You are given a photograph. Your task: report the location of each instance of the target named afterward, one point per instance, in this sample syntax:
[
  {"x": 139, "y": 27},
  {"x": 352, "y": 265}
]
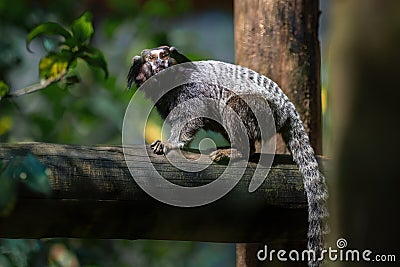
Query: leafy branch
[
  {"x": 36, "y": 87},
  {"x": 56, "y": 66}
]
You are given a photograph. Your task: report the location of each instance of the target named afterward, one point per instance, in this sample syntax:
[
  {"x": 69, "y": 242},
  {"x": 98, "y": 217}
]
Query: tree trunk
[{"x": 280, "y": 40}]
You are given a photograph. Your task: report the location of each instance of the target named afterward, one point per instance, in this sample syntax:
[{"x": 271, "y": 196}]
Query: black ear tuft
[
  {"x": 134, "y": 70},
  {"x": 145, "y": 52},
  {"x": 174, "y": 53}
]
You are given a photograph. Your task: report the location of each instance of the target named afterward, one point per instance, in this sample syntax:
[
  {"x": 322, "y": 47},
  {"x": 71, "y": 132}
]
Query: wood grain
[{"x": 94, "y": 196}]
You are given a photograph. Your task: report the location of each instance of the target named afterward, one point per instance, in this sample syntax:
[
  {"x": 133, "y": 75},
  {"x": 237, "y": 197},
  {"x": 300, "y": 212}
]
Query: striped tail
[
  {"x": 314, "y": 182},
  {"x": 289, "y": 124}
]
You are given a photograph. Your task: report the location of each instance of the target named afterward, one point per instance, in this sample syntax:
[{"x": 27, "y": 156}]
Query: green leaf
[
  {"x": 49, "y": 28},
  {"x": 95, "y": 58},
  {"x": 82, "y": 28},
  {"x": 3, "y": 89},
  {"x": 53, "y": 65},
  {"x": 6, "y": 124}
]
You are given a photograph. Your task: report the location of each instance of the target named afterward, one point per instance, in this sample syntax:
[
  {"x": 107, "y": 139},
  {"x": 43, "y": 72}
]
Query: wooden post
[{"x": 280, "y": 40}]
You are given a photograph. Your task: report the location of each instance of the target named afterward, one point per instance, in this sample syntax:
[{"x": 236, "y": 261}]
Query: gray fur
[{"x": 287, "y": 122}]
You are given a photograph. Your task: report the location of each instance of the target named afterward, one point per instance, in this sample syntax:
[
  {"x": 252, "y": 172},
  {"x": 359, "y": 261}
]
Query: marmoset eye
[{"x": 165, "y": 56}]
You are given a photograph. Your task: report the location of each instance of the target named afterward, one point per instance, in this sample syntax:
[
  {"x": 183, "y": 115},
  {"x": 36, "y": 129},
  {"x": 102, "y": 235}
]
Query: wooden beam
[{"x": 94, "y": 196}]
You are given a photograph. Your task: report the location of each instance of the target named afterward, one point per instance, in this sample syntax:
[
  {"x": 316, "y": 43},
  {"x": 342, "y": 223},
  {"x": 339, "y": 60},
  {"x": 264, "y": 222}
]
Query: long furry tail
[{"x": 298, "y": 143}]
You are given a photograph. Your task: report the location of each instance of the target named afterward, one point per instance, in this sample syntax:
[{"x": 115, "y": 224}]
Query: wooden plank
[{"x": 94, "y": 196}]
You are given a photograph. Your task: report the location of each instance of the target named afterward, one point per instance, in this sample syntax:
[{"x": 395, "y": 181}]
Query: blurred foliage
[
  {"x": 8, "y": 192},
  {"x": 74, "y": 46},
  {"x": 22, "y": 169},
  {"x": 95, "y": 105},
  {"x": 83, "y": 108},
  {"x": 3, "y": 89},
  {"x": 62, "y": 58},
  {"x": 15, "y": 252},
  {"x": 58, "y": 252}
]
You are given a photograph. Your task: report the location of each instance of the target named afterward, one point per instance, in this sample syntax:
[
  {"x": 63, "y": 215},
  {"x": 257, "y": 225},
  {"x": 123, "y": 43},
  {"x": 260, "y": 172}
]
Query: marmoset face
[{"x": 157, "y": 57}]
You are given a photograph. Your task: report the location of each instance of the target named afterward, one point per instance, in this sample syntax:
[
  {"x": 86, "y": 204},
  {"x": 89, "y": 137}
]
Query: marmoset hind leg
[
  {"x": 241, "y": 145},
  {"x": 241, "y": 129}
]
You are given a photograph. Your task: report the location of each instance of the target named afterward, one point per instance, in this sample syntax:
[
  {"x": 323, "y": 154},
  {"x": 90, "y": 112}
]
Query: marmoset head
[
  {"x": 157, "y": 57},
  {"x": 151, "y": 62}
]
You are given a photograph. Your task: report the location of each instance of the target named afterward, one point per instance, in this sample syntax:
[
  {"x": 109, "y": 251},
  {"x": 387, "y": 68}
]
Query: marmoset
[{"x": 287, "y": 123}]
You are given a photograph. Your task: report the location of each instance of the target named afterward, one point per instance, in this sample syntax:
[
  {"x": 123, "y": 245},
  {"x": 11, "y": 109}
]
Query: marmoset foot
[
  {"x": 159, "y": 147},
  {"x": 221, "y": 155}
]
